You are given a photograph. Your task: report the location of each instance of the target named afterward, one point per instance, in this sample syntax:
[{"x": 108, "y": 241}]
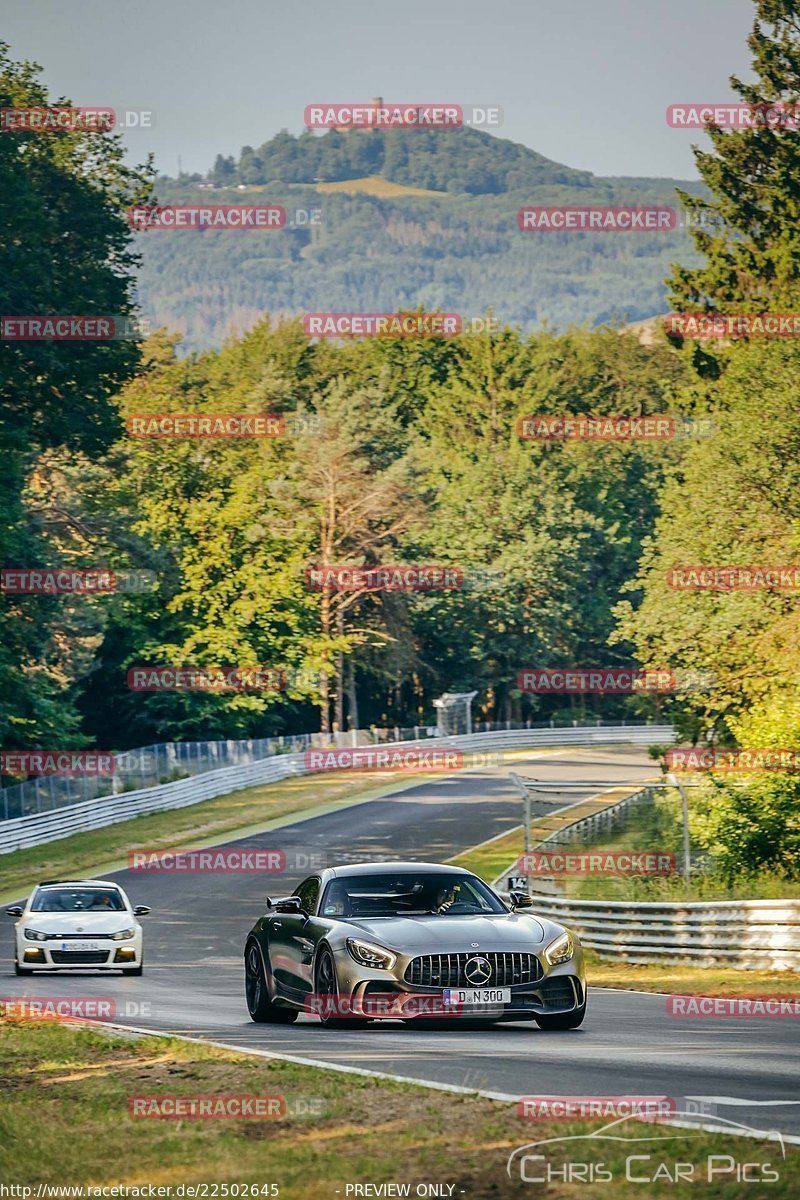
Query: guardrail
[
  {"x": 748, "y": 934},
  {"x": 38, "y": 828},
  {"x": 166, "y": 762}
]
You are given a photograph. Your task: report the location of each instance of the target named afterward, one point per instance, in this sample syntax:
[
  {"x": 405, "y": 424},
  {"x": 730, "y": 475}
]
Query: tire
[
  {"x": 18, "y": 970},
  {"x": 325, "y": 984},
  {"x": 256, "y": 991},
  {"x": 134, "y": 970},
  {"x": 570, "y": 1020}
]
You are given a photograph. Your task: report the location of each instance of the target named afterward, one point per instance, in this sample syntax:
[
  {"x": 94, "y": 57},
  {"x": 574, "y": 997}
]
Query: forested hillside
[{"x": 460, "y": 251}]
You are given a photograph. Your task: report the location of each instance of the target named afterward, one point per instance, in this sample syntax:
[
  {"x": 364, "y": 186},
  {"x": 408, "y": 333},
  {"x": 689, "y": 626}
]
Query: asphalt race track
[{"x": 742, "y": 1070}]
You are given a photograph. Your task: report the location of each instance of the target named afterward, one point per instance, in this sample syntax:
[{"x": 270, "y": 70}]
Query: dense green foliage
[
  {"x": 410, "y": 452},
  {"x": 451, "y": 160},
  {"x": 65, "y": 247},
  {"x": 747, "y": 229}
]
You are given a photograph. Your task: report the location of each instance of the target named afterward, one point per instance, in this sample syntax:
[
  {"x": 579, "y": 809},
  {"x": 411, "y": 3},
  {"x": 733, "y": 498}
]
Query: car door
[{"x": 291, "y": 947}]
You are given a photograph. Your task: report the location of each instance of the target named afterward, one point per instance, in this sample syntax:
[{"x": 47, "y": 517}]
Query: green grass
[
  {"x": 491, "y": 859},
  {"x": 198, "y": 825},
  {"x": 204, "y": 824},
  {"x": 65, "y": 1120},
  {"x": 657, "y": 826}
]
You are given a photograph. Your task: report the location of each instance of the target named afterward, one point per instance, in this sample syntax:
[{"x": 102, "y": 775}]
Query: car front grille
[
  {"x": 448, "y": 970},
  {"x": 79, "y": 937},
  {"x": 79, "y": 956}
]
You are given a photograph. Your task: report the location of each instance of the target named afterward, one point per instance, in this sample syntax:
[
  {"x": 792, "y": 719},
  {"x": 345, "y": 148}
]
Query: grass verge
[
  {"x": 198, "y": 825},
  {"x": 241, "y": 813},
  {"x": 66, "y": 1121},
  {"x": 491, "y": 858}
]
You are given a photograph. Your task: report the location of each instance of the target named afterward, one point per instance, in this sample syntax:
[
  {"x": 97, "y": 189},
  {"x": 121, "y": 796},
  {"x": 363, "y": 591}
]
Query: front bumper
[
  {"x": 56, "y": 955},
  {"x": 386, "y": 994}
]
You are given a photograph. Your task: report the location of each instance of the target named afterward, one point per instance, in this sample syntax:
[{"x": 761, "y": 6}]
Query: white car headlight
[
  {"x": 561, "y": 950},
  {"x": 123, "y": 935},
  {"x": 370, "y": 955},
  {"x": 34, "y": 935}
]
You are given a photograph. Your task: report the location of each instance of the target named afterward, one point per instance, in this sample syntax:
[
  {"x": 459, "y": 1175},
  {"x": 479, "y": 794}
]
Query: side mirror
[
  {"x": 141, "y": 910},
  {"x": 520, "y": 900},
  {"x": 16, "y": 910},
  {"x": 289, "y": 904}
]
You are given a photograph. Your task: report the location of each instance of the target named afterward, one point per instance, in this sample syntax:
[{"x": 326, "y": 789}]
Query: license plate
[
  {"x": 79, "y": 946},
  {"x": 480, "y": 997}
]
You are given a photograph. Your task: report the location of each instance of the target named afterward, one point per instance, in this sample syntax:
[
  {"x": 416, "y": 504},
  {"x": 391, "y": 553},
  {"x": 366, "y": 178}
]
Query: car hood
[
  {"x": 80, "y": 922},
  {"x": 449, "y": 935}
]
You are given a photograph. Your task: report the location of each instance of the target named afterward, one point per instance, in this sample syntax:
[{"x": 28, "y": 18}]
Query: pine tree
[{"x": 749, "y": 230}]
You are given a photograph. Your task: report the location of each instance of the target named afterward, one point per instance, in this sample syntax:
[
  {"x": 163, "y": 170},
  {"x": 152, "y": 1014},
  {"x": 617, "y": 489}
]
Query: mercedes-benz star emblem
[{"x": 478, "y": 970}]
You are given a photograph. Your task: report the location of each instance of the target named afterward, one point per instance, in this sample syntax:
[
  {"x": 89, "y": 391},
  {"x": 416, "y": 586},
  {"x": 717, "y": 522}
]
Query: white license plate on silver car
[
  {"x": 480, "y": 997},
  {"x": 79, "y": 946}
]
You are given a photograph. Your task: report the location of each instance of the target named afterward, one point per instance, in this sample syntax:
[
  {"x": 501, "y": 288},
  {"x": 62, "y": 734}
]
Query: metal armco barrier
[
  {"x": 21, "y": 832},
  {"x": 748, "y": 934}
]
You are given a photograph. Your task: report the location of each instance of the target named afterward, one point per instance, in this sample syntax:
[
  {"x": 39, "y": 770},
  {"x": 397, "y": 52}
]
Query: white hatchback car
[{"x": 88, "y": 923}]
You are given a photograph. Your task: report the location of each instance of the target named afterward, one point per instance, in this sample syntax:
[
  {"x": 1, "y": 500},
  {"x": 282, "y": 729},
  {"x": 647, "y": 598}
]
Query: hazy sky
[{"x": 585, "y": 82}]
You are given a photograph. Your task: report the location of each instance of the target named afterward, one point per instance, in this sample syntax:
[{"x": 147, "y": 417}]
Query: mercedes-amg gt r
[{"x": 410, "y": 940}]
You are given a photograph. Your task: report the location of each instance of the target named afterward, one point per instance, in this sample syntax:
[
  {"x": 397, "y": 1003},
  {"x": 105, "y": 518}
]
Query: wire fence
[{"x": 165, "y": 762}]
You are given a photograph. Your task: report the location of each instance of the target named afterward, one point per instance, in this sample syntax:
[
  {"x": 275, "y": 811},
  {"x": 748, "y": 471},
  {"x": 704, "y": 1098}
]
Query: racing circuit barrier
[
  {"x": 20, "y": 832},
  {"x": 748, "y": 934}
]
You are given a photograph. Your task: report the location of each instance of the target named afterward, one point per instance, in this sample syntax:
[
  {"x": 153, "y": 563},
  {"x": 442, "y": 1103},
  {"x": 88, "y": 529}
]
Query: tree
[
  {"x": 748, "y": 230},
  {"x": 350, "y": 490},
  {"x": 66, "y": 248},
  {"x": 735, "y": 500}
]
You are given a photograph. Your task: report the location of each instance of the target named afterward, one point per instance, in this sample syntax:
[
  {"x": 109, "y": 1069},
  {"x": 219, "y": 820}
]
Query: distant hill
[{"x": 407, "y": 218}]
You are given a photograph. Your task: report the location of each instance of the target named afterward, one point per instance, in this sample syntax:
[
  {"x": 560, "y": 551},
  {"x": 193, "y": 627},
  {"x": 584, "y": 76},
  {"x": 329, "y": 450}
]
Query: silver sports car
[{"x": 410, "y": 941}]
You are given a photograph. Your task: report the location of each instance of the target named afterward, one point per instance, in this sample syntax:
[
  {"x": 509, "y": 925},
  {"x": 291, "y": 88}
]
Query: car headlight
[
  {"x": 370, "y": 955},
  {"x": 561, "y": 950},
  {"x": 123, "y": 935},
  {"x": 34, "y": 935}
]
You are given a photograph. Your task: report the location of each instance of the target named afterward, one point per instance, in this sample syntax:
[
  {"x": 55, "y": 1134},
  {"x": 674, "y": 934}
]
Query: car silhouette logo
[{"x": 478, "y": 971}]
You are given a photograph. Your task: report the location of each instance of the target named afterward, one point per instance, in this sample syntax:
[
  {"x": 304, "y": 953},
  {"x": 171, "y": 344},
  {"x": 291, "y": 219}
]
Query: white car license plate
[
  {"x": 78, "y": 946},
  {"x": 482, "y": 997}
]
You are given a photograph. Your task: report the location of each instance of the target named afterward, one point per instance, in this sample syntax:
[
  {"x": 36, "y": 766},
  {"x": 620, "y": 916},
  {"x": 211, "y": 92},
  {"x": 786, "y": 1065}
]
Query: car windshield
[
  {"x": 59, "y": 899},
  {"x": 408, "y": 894}
]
